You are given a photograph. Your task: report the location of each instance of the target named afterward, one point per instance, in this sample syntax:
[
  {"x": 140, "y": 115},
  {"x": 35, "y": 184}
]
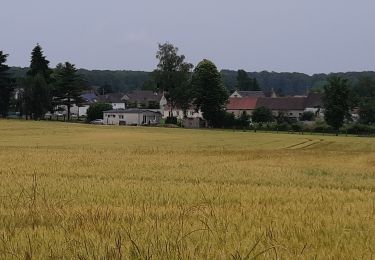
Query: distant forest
[{"x": 284, "y": 83}]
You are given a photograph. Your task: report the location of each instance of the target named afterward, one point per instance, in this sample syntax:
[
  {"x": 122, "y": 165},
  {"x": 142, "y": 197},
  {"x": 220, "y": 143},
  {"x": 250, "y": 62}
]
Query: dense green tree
[
  {"x": 6, "y": 85},
  {"x": 150, "y": 84},
  {"x": 245, "y": 83},
  {"x": 39, "y": 64},
  {"x": 284, "y": 83},
  {"x": 279, "y": 92},
  {"x": 37, "y": 89},
  {"x": 37, "y": 97},
  {"x": 105, "y": 89},
  {"x": 364, "y": 92},
  {"x": 337, "y": 102},
  {"x": 262, "y": 115},
  {"x": 173, "y": 76},
  {"x": 244, "y": 119},
  {"x": 208, "y": 92},
  {"x": 307, "y": 116},
  {"x": 69, "y": 86},
  {"x": 96, "y": 110}
]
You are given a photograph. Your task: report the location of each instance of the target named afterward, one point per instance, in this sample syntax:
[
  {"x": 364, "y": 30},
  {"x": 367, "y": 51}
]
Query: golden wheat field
[{"x": 95, "y": 192}]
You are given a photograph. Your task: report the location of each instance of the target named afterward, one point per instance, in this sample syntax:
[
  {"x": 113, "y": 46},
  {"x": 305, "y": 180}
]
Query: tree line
[
  {"x": 44, "y": 89},
  {"x": 284, "y": 83}
]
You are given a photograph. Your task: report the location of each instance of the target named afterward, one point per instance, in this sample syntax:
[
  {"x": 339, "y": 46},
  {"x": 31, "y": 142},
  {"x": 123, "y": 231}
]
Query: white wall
[
  {"x": 180, "y": 114},
  {"x": 130, "y": 118},
  {"x": 238, "y": 112},
  {"x": 118, "y": 105}
]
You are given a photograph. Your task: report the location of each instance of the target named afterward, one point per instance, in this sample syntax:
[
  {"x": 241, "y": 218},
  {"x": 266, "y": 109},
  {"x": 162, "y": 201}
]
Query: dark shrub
[
  {"x": 360, "y": 129},
  {"x": 96, "y": 110},
  {"x": 308, "y": 116},
  {"x": 171, "y": 120},
  {"x": 297, "y": 127},
  {"x": 283, "y": 127}
]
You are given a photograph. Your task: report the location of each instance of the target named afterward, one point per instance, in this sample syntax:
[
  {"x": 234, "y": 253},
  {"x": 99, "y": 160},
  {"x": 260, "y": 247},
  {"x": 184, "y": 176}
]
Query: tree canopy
[
  {"x": 6, "y": 85},
  {"x": 37, "y": 91},
  {"x": 208, "y": 91},
  {"x": 283, "y": 83},
  {"x": 173, "y": 76},
  {"x": 365, "y": 97},
  {"x": 245, "y": 83},
  {"x": 337, "y": 102},
  {"x": 96, "y": 110},
  {"x": 69, "y": 86},
  {"x": 39, "y": 64},
  {"x": 262, "y": 115}
]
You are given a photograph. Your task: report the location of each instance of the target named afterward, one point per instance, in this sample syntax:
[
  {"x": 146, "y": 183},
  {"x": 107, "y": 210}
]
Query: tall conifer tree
[
  {"x": 6, "y": 85},
  {"x": 38, "y": 91},
  {"x": 69, "y": 86}
]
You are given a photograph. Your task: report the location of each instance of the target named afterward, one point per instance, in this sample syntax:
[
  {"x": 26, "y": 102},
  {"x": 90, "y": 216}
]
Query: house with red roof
[{"x": 237, "y": 106}]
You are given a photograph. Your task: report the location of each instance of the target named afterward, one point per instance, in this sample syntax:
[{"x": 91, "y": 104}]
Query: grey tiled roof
[
  {"x": 282, "y": 103},
  {"x": 141, "y": 96},
  {"x": 111, "y": 98}
]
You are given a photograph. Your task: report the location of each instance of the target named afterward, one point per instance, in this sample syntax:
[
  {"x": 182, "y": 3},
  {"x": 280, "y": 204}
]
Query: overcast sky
[{"x": 308, "y": 36}]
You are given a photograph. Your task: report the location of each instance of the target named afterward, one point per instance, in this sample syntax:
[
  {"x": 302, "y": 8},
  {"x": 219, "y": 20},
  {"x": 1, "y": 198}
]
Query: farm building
[
  {"x": 292, "y": 107},
  {"x": 239, "y": 105},
  {"x": 134, "y": 116}
]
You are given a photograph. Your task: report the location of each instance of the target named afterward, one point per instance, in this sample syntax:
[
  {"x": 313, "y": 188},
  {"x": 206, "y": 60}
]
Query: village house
[
  {"x": 292, "y": 107},
  {"x": 145, "y": 99},
  {"x": 133, "y": 116},
  {"x": 117, "y": 100},
  {"x": 89, "y": 98},
  {"x": 238, "y": 106}
]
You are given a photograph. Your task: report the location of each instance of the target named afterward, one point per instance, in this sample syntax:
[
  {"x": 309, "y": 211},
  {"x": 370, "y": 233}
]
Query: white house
[
  {"x": 134, "y": 116},
  {"x": 117, "y": 100},
  {"x": 81, "y": 110}
]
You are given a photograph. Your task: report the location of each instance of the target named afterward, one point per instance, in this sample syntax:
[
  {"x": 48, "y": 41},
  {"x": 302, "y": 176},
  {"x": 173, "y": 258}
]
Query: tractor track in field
[{"x": 308, "y": 143}]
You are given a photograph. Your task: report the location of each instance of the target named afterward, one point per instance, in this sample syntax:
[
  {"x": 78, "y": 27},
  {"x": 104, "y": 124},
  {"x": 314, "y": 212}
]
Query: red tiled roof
[
  {"x": 282, "y": 103},
  {"x": 245, "y": 103}
]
